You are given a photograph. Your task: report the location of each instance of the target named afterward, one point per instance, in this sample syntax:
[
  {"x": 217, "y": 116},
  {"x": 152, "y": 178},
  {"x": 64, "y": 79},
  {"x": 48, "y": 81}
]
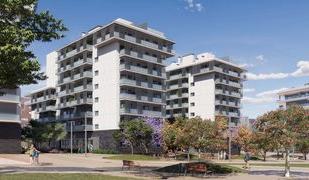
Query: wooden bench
[
  {"x": 196, "y": 168},
  {"x": 129, "y": 164}
]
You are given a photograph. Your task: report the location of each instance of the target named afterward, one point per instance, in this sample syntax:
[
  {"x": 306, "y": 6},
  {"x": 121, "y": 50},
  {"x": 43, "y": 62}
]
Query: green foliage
[
  {"x": 135, "y": 133},
  {"x": 215, "y": 168},
  {"x": 21, "y": 24},
  {"x": 104, "y": 151},
  {"x": 42, "y": 132}
]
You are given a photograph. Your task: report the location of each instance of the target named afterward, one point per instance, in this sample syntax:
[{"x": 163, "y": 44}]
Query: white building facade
[
  {"x": 297, "y": 95},
  {"x": 204, "y": 86},
  {"x": 112, "y": 73}
]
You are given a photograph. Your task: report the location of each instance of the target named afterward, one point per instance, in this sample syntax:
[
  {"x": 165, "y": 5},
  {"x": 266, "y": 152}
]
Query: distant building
[
  {"x": 204, "y": 85},
  {"x": 10, "y": 131},
  {"x": 25, "y": 110},
  {"x": 297, "y": 95},
  {"x": 246, "y": 122}
]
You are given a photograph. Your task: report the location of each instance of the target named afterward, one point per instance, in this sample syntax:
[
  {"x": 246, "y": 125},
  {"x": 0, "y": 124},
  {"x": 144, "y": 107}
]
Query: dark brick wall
[
  {"x": 10, "y": 130},
  {"x": 10, "y": 134},
  {"x": 10, "y": 146},
  {"x": 105, "y": 138}
]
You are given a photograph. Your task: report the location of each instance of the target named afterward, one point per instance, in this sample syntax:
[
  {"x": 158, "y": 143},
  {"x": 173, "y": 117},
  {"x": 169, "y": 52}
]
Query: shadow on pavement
[{"x": 278, "y": 173}]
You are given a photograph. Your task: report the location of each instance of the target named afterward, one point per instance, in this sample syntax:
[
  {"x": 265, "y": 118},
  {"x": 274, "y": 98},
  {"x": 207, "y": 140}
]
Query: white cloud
[
  {"x": 263, "y": 97},
  {"x": 303, "y": 69},
  {"x": 249, "y": 90},
  {"x": 192, "y": 6},
  {"x": 251, "y": 76},
  {"x": 246, "y": 65},
  {"x": 260, "y": 59}
]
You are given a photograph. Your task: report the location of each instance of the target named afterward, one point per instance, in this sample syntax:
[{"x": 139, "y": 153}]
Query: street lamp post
[
  {"x": 85, "y": 134},
  {"x": 71, "y": 140},
  {"x": 230, "y": 139}
]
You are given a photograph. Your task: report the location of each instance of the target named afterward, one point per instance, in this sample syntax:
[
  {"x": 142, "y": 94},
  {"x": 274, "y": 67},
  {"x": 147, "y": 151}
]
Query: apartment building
[
  {"x": 204, "y": 85},
  {"x": 111, "y": 73},
  {"x": 43, "y": 101},
  {"x": 10, "y": 130},
  {"x": 297, "y": 95}
]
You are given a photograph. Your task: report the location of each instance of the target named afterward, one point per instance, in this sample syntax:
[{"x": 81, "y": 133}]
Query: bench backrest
[{"x": 127, "y": 163}]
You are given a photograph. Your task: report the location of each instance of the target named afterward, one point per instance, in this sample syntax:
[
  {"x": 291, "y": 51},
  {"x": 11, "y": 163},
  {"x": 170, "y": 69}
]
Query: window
[
  {"x": 192, "y": 84},
  {"x": 96, "y": 99},
  {"x": 96, "y": 72},
  {"x": 96, "y": 86},
  {"x": 96, "y": 113},
  {"x": 192, "y": 114},
  {"x": 192, "y": 94},
  {"x": 96, "y": 126},
  {"x": 192, "y": 104},
  {"x": 96, "y": 59}
]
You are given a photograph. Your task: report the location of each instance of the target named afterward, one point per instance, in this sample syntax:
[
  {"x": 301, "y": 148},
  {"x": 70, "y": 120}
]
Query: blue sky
[{"x": 269, "y": 37}]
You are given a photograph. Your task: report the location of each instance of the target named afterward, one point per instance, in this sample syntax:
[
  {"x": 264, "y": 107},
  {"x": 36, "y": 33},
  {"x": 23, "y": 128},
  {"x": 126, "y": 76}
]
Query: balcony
[
  {"x": 79, "y": 128},
  {"x": 9, "y": 98},
  {"x": 81, "y": 62},
  {"x": 144, "y": 57},
  {"x": 49, "y": 108},
  {"x": 128, "y": 96},
  {"x": 152, "y": 113},
  {"x": 232, "y": 73},
  {"x": 9, "y": 117},
  {"x": 128, "y": 111},
  {"x": 134, "y": 40},
  {"x": 218, "y": 69},
  {"x": 74, "y": 116},
  {"x": 74, "y": 52},
  {"x": 125, "y": 81},
  {"x": 75, "y": 102}
]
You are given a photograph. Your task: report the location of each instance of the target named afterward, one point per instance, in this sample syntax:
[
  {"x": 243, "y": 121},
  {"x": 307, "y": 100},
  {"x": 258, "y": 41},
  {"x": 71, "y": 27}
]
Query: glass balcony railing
[
  {"x": 10, "y": 98},
  {"x": 125, "y": 81},
  {"x": 9, "y": 117}
]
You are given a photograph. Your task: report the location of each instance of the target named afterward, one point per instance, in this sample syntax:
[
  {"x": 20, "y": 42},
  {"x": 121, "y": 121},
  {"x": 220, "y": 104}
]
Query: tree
[
  {"x": 219, "y": 134},
  {"x": 43, "y": 132},
  {"x": 286, "y": 127},
  {"x": 170, "y": 132},
  {"x": 53, "y": 132},
  {"x": 157, "y": 125},
  {"x": 303, "y": 146},
  {"x": 135, "y": 133},
  {"x": 244, "y": 139},
  {"x": 20, "y": 25}
]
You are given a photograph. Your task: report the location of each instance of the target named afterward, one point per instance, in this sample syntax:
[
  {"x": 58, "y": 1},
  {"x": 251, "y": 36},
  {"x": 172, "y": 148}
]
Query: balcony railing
[
  {"x": 10, "y": 98},
  {"x": 125, "y": 81},
  {"x": 9, "y": 117}
]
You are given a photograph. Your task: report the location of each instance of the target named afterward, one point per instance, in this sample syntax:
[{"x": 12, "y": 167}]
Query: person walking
[
  {"x": 36, "y": 156},
  {"x": 247, "y": 159},
  {"x": 31, "y": 153}
]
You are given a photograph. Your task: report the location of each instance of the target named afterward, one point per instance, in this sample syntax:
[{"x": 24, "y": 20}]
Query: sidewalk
[{"x": 96, "y": 163}]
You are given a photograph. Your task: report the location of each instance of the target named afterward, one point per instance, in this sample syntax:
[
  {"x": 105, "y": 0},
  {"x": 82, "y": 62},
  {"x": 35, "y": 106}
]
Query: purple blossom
[{"x": 157, "y": 125}]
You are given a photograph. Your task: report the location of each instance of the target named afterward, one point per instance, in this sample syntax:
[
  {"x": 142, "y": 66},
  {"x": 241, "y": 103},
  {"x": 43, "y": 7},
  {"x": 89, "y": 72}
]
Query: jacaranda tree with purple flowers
[{"x": 157, "y": 125}]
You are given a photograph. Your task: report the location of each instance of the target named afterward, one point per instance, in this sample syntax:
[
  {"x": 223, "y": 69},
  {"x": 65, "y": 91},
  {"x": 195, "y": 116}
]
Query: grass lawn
[
  {"x": 270, "y": 164},
  {"x": 54, "y": 176},
  {"x": 135, "y": 157}
]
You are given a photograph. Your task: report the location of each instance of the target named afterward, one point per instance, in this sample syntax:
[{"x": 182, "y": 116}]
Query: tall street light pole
[
  {"x": 85, "y": 134},
  {"x": 71, "y": 143},
  {"x": 230, "y": 139}
]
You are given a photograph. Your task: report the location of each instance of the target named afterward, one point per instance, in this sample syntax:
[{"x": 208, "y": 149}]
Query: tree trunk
[
  {"x": 264, "y": 156},
  {"x": 199, "y": 153},
  {"x": 305, "y": 156},
  {"x": 278, "y": 154},
  {"x": 188, "y": 155},
  {"x": 131, "y": 145},
  {"x": 287, "y": 163}
]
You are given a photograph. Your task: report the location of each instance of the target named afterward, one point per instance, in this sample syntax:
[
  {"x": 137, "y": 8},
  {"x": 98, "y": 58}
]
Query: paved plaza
[{"x": 97, "y": 163}]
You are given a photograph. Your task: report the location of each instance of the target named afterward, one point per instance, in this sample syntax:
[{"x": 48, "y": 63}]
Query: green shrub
[{"x": 104, "y": 151}]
